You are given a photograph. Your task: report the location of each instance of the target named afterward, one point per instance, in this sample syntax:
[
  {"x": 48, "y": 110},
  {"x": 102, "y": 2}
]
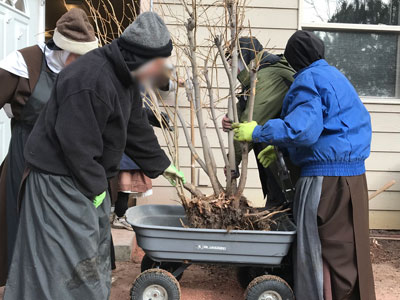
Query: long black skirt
[{"x": 62, "y": 249}]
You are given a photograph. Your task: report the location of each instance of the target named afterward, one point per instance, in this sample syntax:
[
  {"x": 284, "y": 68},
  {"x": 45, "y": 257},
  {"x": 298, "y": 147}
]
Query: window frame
[
  {"x": 24, "y": 13},
  {"x": 365, "y": 28}
]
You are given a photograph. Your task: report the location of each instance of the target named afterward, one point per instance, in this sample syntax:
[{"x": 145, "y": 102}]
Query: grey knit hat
[{"x": 147, "y": 36}]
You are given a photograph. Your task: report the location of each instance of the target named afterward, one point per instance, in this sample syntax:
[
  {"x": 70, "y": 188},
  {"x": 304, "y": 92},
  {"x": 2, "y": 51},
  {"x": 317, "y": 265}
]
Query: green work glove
[
  {"x": 267, "y": 156},
  {"x": 172, "y": 174},
  {"x": 244, "y": 131},
  {"x": 98, "y": 200}
]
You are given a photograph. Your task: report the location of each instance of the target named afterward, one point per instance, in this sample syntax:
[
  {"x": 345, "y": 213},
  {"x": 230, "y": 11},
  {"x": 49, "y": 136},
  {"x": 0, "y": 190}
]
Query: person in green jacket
[{"x": 274, "y": 78}]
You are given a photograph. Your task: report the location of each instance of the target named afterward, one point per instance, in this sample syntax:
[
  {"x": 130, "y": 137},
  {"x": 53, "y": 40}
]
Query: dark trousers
[
  {"x": 121, "y": 206},
  {"x": 270, "y": 186}
]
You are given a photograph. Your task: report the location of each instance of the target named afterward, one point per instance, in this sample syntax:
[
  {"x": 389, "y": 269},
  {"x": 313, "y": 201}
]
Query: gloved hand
[
  {"x": 267, "y": 156},
  {"x": 244, "y": 131},
  {"x": 98, "y": 200},
  {"x": 172, "y": 174},
  {"x": 226, "y": 124}
]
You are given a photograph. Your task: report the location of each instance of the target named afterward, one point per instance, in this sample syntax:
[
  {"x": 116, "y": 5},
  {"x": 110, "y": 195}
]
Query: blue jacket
[{"x": 324, "y": 125}]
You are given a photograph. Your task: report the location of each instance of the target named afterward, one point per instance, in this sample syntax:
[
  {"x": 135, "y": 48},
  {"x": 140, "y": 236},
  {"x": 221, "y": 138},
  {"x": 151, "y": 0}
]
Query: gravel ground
[{"x": 218, "y": 283}]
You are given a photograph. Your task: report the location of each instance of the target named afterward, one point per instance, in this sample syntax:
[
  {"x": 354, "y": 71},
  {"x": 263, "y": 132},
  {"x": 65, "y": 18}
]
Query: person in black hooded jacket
[
  {"x": 94, "y": 113},
  {"x": 274, "y": 77},
  {"x": 327, "y": 131}
]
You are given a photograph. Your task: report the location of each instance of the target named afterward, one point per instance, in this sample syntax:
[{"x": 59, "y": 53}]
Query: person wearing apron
[
  {"x": 27, "y": 77},
  {"x": 327, "y": 131}
]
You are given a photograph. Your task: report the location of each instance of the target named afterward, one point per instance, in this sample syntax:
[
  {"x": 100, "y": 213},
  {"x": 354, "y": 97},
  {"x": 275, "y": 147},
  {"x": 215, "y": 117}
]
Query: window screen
[
  {"x": 352, "y": 11},
  {"x": 369, "y": 60}
]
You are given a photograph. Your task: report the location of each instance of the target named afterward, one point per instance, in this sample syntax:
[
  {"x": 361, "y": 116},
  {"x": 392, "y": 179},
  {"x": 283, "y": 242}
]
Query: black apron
[
  {"x": 62, "y": 250},
  {"x": 20, "y": 130}
]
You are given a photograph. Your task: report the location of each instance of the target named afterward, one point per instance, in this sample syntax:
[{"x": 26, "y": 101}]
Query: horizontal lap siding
[
  {"x": 274, "y": 21},
  {"x": 384, "y": 165}
]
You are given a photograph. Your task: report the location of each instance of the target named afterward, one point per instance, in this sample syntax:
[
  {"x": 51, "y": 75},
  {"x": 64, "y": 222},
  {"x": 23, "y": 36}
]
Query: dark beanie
[
  {"x": 147, "y": 36},
  {"x": 304, "y": 48}
]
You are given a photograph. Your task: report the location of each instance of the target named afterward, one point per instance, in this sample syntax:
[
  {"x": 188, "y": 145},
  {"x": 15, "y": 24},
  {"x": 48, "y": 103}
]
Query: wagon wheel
[
  {"x": 268, "y": 287},
  {"x": 148, "y": 263},
  {"x": 155, "y": 284}
]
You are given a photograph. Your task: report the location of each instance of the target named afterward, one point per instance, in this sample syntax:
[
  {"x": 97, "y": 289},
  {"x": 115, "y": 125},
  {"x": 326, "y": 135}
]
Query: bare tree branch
[
  {"x": 214, "y": 118},
  {"x": 189, "y": 142},
  {"x": 245, "y": 146},
  {"x": 193, "y": 190},
  {"x": 190, "y": 26}
]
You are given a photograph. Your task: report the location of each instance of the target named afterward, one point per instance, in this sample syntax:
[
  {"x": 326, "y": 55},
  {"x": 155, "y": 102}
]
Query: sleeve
[
  {"x": 268, "y": 100},
  {"x": 302, "y": 124},
  {"x": 8, "y": 85},
  {"x": 81, "y": 120},
  {"x": 142, "y": 145},
  {"x": 270, "y": 92}
]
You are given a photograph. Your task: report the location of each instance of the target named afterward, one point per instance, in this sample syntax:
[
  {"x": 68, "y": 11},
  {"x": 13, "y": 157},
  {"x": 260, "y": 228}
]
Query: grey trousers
[
  {"x": 62, "y": 251},
  {"x": 308, "y": 266}
]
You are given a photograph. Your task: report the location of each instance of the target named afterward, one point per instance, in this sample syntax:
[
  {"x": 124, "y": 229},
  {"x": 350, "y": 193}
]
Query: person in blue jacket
[{"x": 327, "y": 131}]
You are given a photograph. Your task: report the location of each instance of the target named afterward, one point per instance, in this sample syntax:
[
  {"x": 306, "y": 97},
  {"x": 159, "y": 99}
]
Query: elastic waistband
[{"x": 353, "y": 168}]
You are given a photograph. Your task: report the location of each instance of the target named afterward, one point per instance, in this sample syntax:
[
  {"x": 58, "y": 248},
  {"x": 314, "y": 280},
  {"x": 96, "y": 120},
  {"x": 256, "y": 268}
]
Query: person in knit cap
[
  {"x": 26, "y": 79},
  {"x": 94, "y": 115}
]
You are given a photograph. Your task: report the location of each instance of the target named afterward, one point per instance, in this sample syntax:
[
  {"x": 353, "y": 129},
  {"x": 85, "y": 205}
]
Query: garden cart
[{"x": 171, "y": 247}]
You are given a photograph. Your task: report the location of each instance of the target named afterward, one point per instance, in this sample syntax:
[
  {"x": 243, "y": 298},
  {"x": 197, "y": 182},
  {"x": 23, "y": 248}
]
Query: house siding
[{"x": 274, "y": 21}]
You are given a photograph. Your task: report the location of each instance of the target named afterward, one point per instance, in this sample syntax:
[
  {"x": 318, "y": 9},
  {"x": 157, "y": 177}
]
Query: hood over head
[
  {"x": 304, "y": 48},
  {"x": 250, "y": 47}
]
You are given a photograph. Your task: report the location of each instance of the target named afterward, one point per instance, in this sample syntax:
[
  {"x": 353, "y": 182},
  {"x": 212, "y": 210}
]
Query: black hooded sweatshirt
[
  {"x": 250, "y": 47},
  {"x": 304, "y": 48},
  {"x": 94, "y": 114}
]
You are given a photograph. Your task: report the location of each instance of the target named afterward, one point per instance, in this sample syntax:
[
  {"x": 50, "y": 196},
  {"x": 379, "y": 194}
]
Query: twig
[
  {"x": 214, "y": 117},
  {"x": 189, "y": 142},
  {"x": 230, "y": 183},
  {"x": 245, "y": 146},
  {"x": 192, "y": 189},
  {"x": 190, "y": 26},
  {"x": 269, "y": 216}
]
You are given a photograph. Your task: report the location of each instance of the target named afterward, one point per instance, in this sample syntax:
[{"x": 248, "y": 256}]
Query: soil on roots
[{"x": 220, "y": 213}]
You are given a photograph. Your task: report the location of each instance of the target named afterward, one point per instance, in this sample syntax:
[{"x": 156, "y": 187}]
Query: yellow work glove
[
  {"x": 172, "y": 174},
  {"x": 267, "y": 156},
  {"x": 244, "y": 131},
  {"x": 98, "y": 200}
]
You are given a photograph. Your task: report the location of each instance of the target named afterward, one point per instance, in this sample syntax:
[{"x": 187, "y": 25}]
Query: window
[
  {"x": 361, "y": 39},
  {"x": 18, "y": 4}
]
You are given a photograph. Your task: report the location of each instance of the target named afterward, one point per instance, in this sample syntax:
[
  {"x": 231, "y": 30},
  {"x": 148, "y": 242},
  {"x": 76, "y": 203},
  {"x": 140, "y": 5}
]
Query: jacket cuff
[{"x": 257, "y": 134}]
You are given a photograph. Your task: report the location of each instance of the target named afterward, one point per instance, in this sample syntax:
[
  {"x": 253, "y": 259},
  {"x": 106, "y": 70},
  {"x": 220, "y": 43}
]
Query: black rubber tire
[
  {"x": 156, "y": 277},
  {"x": 269, "y": 283},
  {"x": 148, "y": 263}
]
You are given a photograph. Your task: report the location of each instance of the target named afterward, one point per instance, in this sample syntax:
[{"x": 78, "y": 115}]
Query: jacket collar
[
  {"x": 317, "y": 63},
  {"x": 121, "y": 69},
  {"x": 244, "y": 75}
]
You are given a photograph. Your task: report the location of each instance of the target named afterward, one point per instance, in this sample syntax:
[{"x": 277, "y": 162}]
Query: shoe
[
  {"x": 112, "y": 218},
  {"x": 121, "y": 223}
]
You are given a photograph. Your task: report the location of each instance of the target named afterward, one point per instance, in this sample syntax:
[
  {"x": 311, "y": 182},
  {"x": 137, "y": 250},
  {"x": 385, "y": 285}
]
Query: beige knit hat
[{"x": 74, "y": 33}]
